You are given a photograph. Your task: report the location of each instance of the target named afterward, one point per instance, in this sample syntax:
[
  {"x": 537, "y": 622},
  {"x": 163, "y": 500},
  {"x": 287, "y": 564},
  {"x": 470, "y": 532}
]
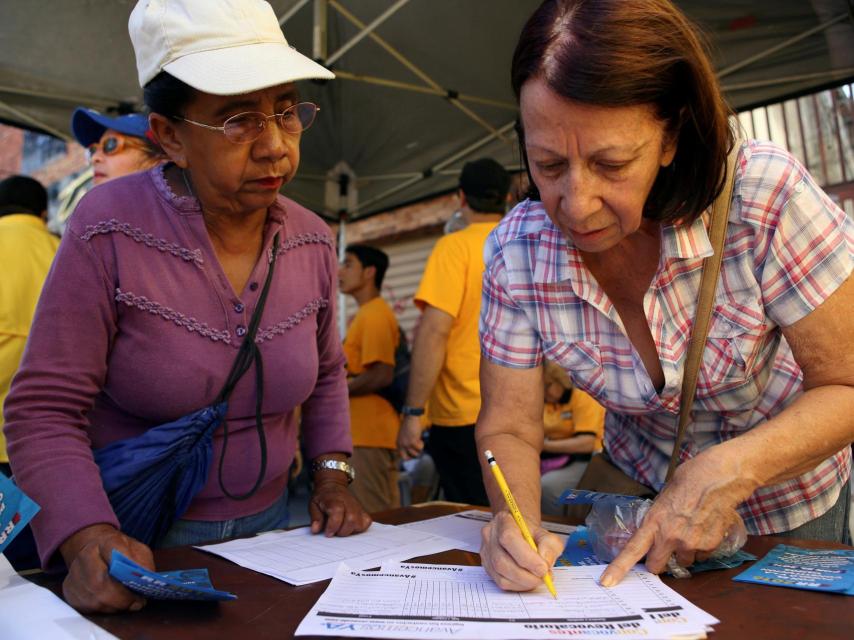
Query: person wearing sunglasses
[
  {"x": 115, "y": 145},
  {"x": 154, "y": 289}
]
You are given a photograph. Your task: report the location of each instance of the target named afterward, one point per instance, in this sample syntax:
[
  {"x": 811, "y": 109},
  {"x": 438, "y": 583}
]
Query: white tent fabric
[{"x": 422, "y": 90}]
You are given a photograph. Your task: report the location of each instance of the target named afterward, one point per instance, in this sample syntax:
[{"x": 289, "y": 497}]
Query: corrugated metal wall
[{"x": 406, "y": 265}]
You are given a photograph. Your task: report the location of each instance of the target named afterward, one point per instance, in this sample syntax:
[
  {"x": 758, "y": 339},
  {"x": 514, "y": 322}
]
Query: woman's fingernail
[
  {"x": 137, "y": 605},
  {"x": 607, "y": 581}
]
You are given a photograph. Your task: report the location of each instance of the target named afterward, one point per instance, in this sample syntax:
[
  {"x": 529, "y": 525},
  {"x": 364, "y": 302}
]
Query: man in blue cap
[{"x": 116, "y": 145}]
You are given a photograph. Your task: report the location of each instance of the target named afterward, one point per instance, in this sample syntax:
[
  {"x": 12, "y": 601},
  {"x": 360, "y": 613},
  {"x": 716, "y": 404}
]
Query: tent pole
[
  {"x": 755, "y": 84},
  {"x": 438, "y": 166},
  {"x": 782, "y": 45},
  {"x": 385, "y": 15},
  {"x": 27, "y": 118},
  {"x": 342, "y": 246},
  {"x": 418, "y": 72},
  {"x": 319, "y": 43},
  {"x": 290, "y": 13},
  {"x": 71, "y": 100},
  {"x": 417, "y": 88}
]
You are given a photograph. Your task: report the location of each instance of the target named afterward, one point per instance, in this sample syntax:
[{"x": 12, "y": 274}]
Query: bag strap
[
  {"x": 708, "y": 284},
  {"x": 248, "y": 354}
]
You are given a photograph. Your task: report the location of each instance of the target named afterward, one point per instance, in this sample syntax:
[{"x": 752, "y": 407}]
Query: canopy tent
[{"x": 423, "y": 85}]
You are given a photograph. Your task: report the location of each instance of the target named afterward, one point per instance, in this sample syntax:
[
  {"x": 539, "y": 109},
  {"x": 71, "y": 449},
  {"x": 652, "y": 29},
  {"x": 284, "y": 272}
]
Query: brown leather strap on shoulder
[{"x": 702, "y": 319}]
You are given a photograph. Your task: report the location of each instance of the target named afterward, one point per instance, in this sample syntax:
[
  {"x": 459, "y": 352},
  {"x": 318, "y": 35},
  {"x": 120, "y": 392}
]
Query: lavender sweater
[{"x": 137, "y": 325}]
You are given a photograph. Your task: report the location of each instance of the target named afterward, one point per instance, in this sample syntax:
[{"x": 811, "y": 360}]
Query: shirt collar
[
  {"x": 687, "y": 241},
  {"x": 25, "y": 219}
]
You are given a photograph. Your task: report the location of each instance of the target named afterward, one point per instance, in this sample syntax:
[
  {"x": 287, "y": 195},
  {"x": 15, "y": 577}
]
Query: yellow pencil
[{"x": 517, "y": 515}]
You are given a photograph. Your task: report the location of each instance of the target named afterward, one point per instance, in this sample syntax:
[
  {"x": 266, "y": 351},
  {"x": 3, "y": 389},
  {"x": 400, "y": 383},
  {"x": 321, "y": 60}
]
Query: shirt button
[
  {"x": 240, "y": 331},
  {"x": 253, "y": 286},
  {"x": 239, "y": 307}
]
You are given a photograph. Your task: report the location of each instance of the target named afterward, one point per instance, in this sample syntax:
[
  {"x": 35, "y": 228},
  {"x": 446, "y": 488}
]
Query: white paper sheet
[
  {"x": 446, "y": 601},
  {"x": 28, "y": 611},
  {"x": 299, "y": 557},
  {"x": 465, "y": 526}
]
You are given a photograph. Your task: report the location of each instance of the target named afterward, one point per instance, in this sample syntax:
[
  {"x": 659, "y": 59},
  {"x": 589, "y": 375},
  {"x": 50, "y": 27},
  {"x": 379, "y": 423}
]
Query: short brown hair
[{"x": 634, "y": 52}]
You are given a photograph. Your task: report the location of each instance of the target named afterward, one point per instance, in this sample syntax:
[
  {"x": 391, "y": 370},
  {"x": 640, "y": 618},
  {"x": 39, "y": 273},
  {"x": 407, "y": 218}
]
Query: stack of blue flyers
[
  {"x": 829, "y": 570},
  {"x": 190, "y": 584},
  {"x": 16, "y": 510}
]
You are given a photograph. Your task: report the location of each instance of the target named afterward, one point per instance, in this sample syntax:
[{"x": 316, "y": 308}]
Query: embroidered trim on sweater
[
  {"x": 278, "y": 329},
  {"x": 190, "y": 324},
  {"x": 300, "y": 240},
  {"x": 138, "y": 235},
  {"x": 203, "y": 329}
]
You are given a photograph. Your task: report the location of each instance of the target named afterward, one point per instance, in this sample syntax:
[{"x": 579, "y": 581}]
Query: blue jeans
[
  {"x": 832, "y": 525},
  {"x": 190, "y": 532}
]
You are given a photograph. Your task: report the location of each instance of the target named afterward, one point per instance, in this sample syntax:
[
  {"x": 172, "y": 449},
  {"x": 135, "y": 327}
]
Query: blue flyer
[
  {"x": 829, "y": 570},
  {"x": 16, "y": 510},
  {"x": 578, "y": 551},
  {"x": 188, "y": 584}
]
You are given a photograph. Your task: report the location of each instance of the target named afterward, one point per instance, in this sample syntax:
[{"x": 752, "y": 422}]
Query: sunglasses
[
  {"x": 248, "y": 127},
  {"x": 110, "y": 146}
]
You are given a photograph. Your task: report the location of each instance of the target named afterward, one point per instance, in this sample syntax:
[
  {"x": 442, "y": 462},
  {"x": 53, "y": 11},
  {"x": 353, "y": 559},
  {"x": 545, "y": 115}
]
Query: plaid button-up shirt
[{"x": 788, "y": 248}]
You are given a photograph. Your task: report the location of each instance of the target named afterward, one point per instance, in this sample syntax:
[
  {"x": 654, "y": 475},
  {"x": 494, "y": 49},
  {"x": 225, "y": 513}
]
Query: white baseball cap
[{"x": 223, "y": 47}]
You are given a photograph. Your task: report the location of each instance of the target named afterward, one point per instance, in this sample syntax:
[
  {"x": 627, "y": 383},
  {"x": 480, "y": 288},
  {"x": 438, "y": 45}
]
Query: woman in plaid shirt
[{"x": 626, "y": 135}]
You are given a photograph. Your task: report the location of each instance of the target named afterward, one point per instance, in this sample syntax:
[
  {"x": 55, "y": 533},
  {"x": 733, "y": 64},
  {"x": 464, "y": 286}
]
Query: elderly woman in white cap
[
  {"x": 158, "y": 279},
  {"x": 116, "y": 145}
]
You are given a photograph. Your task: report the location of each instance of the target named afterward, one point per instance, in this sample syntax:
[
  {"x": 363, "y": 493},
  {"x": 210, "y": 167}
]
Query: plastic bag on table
[{"x": 613, "y": 520}]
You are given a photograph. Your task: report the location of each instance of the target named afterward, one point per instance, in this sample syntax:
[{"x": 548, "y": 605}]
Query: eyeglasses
[
  {"x": 111, "y": 145},
  {"x": 247, "y": 127}
]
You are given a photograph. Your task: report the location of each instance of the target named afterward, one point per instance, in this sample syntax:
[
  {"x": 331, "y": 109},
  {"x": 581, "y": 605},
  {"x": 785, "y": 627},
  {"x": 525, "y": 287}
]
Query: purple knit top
[{"x": 138, "y": 325}]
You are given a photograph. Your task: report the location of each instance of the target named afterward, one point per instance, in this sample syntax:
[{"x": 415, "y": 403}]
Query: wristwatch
[
  {"x": 335, "y": 465},
  {"x": 412, "y": 411}
]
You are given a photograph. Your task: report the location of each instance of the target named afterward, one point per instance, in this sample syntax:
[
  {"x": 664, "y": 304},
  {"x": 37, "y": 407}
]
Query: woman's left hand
[
  {"x": 690, "y": 517},
  {"x": 335, "y": 511}
]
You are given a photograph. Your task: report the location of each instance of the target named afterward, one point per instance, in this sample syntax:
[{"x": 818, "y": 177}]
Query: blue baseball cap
[{"x": 88, "y": 125}]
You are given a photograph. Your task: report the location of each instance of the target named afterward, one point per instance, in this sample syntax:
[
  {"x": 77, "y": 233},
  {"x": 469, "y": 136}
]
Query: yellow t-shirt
[
  {"x": 582, "y": 414},
  {"x": 372, "y": 336},
  {"x": 452, "y": 282},
  {"x": 26, "y": 253}
]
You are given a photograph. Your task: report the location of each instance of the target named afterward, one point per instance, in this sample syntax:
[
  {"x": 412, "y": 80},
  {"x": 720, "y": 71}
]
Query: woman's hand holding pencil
[{"x": 515, "y": 561}]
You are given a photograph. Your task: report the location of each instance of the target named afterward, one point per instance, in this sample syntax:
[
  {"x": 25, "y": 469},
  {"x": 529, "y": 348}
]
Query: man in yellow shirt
[
  {"x": 26, "y": 253},
  {"x": 372, "y": 337},
  {"x": 445, "y": 364}
]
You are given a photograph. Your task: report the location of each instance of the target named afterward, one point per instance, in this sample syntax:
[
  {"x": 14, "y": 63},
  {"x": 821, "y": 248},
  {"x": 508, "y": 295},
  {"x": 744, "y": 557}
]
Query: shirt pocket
[
  {"x": 583, "y": 361},
  {"x": 737, "y": 333}
]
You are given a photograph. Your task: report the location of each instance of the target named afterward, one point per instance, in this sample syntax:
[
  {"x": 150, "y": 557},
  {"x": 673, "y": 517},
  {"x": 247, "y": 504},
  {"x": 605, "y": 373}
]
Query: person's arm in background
[
  {"x": 440, "y": 296},
  {"x": 376, "y": 376},
  {"x": 326, "y": 426},
  {"x": 588, "y": 417},
  {"x": 428, "y": 357},
  {"x": 581, "y": 443}
]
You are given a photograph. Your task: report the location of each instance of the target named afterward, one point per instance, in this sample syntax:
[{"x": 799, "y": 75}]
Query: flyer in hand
[
  {"x": 188, "y": 584},
  {"x": 16, "y": 510}
]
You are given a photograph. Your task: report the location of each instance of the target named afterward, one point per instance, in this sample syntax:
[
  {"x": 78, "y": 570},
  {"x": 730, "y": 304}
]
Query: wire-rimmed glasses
[{"x": 246, "y": 127}]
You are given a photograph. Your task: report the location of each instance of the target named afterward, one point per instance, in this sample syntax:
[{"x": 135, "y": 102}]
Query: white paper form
[
  {"x": 465, "y": 526},
  {"x": 300, "y": 557},
  {"x": 29, "y": 611},
  {"x": 445, "y": 601}
]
